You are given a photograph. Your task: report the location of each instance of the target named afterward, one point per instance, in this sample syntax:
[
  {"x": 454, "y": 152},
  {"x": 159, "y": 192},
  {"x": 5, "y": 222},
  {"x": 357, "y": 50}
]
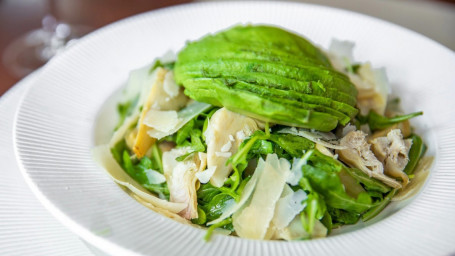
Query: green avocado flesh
[{"x": 269, "y": 74}]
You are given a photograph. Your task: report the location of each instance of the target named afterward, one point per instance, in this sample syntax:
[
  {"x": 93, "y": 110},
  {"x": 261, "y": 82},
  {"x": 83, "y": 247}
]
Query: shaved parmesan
[
  {"x": 140, "y": 82},
  {"x": 183, "y": 116},
  {"x": 169, "y": 85},
  {"x": 340, "y": 54},
  {"x": 155, "y": 177},
  {"x": 162, "y": 121},
  {"x": 246, "y": 194},
  {"x": 102, "y": 155},
  {"x": 296, "y": 172},
  {"x": 240, "y": 135},
  {"x": 295, "y": 231},
  {"x": 221, "y": 126},
  {"x": 253, "y": 221},
  {"x": 223, "y": 154},
  {"x": 205, "y": 175},
  {"x": 226, "y": 147},
  {"x": 373, "y": 87},
  {"x": 288, "y": 206},
  {"x": 372, "y": 84}
]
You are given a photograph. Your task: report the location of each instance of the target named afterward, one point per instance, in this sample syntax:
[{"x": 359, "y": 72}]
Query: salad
[{"x": 256, "y": 132}]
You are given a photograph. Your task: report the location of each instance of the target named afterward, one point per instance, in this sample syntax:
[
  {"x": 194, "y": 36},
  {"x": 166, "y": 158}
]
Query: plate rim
[
  {"x": 18, "y": 90},
  {"x": 101, "y": 242}
]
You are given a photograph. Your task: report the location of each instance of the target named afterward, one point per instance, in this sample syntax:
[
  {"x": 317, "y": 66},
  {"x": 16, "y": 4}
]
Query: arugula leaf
[
  {"x": 191, "y": 134},
  {"x": 242, "y": 185},
  {"x": 196, "y": 144},
  {"x": 292, "y": 144},
  {"x": 321, "y": 172},
  {"x": 376, "y": 195},
  {"x": 184, "y": 133},
  {"x": 327, "y": 222},
  {"x": 261, "y": 148},
  {"x": 117, "y": 151},
  {"x": 128, "y": 164},
  {"x": 201, "y": 217},
  {"x": 240, "y": 159},
  {"x": 379, "y": 122},
  {"x": 157, "y": 162},
  {"x": 378, "y": 208},
  {"x": 213, "y": 201},
  {"x": 196, "y": 141},
  {"x": 315, "y": 207},
  {"x": 284, "y": 145},
  {"x": 206, "y": 192},
  {"x": 314, "y": 210},
  {"x": 140, "y": 170},
  {"x": 260, "y": 144},
  {"x": 158, "y": 64},
  {"x": 416, "y": 152},
  {"x": 226, "y": 224},
  {"x": 343, "y": 217},
  {"x": 185, "y": 156},
  {"x": 147, "y": 163},
  {"x": 369, "y": 183},
  {"x": 125, "y": 109},
  {"x": 217, "y": 205}
]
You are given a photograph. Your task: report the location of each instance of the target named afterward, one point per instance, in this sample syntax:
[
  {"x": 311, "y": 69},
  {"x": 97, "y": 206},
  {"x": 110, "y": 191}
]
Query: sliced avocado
[
  {"x": 274, "y": 37},
  {"x": 267, "y": 73},
  {"x": 228, "y": 50},
  {"x": 245, "y": 87},
  {"x": 296, "y": 97},
  {"x": 215, "y": 92},
  {"x": 225, "y": 67}
]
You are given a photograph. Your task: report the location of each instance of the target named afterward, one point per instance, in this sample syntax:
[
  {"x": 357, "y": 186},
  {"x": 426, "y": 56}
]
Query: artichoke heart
[{"x": 269, "y": 74}]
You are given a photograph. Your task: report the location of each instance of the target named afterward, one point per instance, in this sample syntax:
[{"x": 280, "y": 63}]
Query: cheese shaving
[
  {"x": 162, "y": 121},
  {"x": 288, "y": 206},
  {"x": 253, "y": 221},
  {"x": 205, "y": 175},
  {"x": 169, "y": 85}
]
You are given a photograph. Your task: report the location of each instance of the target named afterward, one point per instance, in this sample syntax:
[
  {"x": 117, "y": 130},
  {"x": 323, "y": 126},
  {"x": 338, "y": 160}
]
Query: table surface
[
  {"x": 18, "y": 17},
  {"x": 435, "y": 19}
]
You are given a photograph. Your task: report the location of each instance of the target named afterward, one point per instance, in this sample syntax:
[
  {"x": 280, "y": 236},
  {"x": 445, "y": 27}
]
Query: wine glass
[{"x": 33, "y": 49}]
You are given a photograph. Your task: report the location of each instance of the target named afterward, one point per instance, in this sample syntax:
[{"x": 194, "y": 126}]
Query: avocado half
[{"x": 267, "y": 73}]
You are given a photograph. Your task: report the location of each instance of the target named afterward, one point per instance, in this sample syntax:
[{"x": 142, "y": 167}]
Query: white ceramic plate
[
  {"x": 26, "y": 228},
  {"x": 57, "y": 121}
]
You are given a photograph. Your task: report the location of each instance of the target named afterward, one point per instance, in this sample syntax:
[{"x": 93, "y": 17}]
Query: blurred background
[{"x": 32, "y": 31}]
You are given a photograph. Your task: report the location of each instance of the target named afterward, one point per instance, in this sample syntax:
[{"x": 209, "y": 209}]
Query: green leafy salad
[{"x": 256, "y": 132}]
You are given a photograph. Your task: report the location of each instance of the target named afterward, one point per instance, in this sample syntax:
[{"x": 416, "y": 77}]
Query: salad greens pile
[{"x": 288, "y": 88}]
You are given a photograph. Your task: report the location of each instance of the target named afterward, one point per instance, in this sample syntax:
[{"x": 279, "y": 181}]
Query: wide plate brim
[{"x": 55, "y": 127}]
